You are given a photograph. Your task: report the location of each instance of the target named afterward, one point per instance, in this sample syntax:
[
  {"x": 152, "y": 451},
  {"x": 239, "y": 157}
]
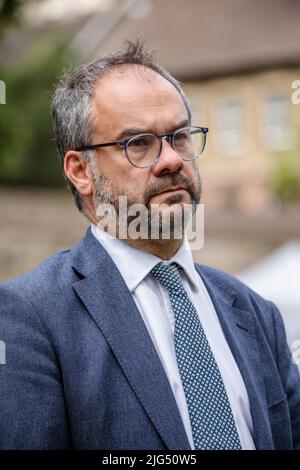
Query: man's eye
[
  {"x": 181, "y": 136},
  {"x": 140, "y": 142}
]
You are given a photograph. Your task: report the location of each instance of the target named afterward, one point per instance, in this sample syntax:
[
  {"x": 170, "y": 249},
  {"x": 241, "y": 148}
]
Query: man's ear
[{"x": 78, "y": 172}]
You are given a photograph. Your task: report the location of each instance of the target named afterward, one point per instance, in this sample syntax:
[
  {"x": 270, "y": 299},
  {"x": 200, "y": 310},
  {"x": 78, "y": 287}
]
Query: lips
[{"x": 170, "y": 190}]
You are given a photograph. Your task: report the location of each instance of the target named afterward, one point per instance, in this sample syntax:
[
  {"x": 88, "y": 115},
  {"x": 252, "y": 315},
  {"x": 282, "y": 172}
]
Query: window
[
  {"x": 277, "y": 132},
  {"x": 229, "y": 121}
]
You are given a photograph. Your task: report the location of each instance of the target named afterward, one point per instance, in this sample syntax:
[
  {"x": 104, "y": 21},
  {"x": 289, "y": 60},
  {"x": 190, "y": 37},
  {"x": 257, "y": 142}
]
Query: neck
[{"x": 163, "y": 249}]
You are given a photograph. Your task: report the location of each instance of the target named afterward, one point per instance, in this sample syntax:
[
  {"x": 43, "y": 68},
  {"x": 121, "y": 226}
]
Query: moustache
[{"x": 165, "y": 182}]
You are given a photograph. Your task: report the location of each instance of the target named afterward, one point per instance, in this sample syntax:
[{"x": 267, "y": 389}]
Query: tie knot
[{"x": 168, "y": 275}]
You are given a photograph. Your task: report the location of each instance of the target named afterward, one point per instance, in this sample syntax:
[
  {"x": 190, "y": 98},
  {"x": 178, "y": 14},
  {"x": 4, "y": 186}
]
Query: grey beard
[{"x": 171, "y": 227}]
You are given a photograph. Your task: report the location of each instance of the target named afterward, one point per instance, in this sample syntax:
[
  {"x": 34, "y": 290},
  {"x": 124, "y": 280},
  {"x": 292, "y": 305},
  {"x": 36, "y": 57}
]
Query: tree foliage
[
  {"x": 285, "y": 179},
  {"x": 27, "y": 151},
  {"x": 9, "y": 10}
]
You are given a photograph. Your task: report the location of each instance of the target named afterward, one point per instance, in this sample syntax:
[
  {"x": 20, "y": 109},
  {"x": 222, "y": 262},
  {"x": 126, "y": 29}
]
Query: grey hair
[{"x": 72, "y": 101}]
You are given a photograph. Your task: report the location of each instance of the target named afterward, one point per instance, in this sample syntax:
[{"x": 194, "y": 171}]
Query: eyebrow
[{"x": 131, "y": 131}]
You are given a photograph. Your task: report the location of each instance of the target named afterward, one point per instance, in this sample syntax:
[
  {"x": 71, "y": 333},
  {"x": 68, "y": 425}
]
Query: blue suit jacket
[{"x": 82, "y": 372}]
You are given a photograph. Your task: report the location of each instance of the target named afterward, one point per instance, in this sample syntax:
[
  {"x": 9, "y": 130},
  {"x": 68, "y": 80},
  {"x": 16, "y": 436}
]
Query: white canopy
[{"x": 277, "y": 278}]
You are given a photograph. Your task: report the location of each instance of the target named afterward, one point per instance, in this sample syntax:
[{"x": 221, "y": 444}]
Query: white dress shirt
[{"x": 152, "y": 301}]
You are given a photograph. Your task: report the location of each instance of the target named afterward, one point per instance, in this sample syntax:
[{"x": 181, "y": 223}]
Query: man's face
[{"x": 126, "y": 102}]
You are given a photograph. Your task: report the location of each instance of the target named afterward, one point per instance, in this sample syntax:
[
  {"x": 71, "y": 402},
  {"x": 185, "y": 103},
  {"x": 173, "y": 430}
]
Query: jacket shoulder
[
  {"x": 41, "y": 287},
  {"x": 227, "y": 284},
  {"x": 50, "y": 269},
  {"x": 230, "y": 288}
]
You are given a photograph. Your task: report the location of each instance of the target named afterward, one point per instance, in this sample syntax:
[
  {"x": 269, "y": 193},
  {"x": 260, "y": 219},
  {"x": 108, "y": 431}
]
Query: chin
[
  {"x": 174, "y": 211},
  {"x": 178, "y": 200}
]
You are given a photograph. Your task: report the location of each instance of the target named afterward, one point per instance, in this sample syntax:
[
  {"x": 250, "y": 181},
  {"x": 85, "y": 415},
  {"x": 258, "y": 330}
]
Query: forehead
[{"x": 136, "y": 97}]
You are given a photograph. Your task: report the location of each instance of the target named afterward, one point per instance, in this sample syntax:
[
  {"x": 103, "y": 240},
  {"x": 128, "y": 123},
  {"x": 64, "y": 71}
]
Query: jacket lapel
[
  {"x": 107, "y": 298},
  {"x": 241, "y": 334}
]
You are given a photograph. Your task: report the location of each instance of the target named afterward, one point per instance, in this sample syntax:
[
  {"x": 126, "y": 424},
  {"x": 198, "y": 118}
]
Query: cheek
[
  {"x": 131, "y": 183},
  {"x": 192, "y": 170},
  {"x": 136, "y": 185}
]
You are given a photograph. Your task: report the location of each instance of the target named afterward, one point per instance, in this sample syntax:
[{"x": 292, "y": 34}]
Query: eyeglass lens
[{"x": 143, "y": 150}]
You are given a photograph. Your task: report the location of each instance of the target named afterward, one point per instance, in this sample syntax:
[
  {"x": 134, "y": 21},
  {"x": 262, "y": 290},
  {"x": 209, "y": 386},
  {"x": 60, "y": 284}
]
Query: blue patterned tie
[{"x": 212, "y": 422}]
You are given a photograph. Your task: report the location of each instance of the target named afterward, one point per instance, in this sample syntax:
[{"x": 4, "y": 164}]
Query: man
[{"x": 122, "y": 342}]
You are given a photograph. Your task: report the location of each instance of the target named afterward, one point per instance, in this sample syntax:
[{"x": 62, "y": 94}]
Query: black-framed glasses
[{"x": 143, "y": 150}]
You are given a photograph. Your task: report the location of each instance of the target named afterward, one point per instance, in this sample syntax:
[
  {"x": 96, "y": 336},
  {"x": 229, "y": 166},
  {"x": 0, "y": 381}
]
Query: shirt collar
[{"x": 135, "y": 265}]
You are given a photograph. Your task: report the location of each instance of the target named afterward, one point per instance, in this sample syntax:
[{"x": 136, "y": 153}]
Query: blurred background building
[{"x": 238, "y": 61}]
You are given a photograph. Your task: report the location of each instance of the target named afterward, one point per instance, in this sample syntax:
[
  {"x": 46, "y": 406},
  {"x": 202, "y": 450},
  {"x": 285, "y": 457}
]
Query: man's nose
[{"x": 169, "y": 161}]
